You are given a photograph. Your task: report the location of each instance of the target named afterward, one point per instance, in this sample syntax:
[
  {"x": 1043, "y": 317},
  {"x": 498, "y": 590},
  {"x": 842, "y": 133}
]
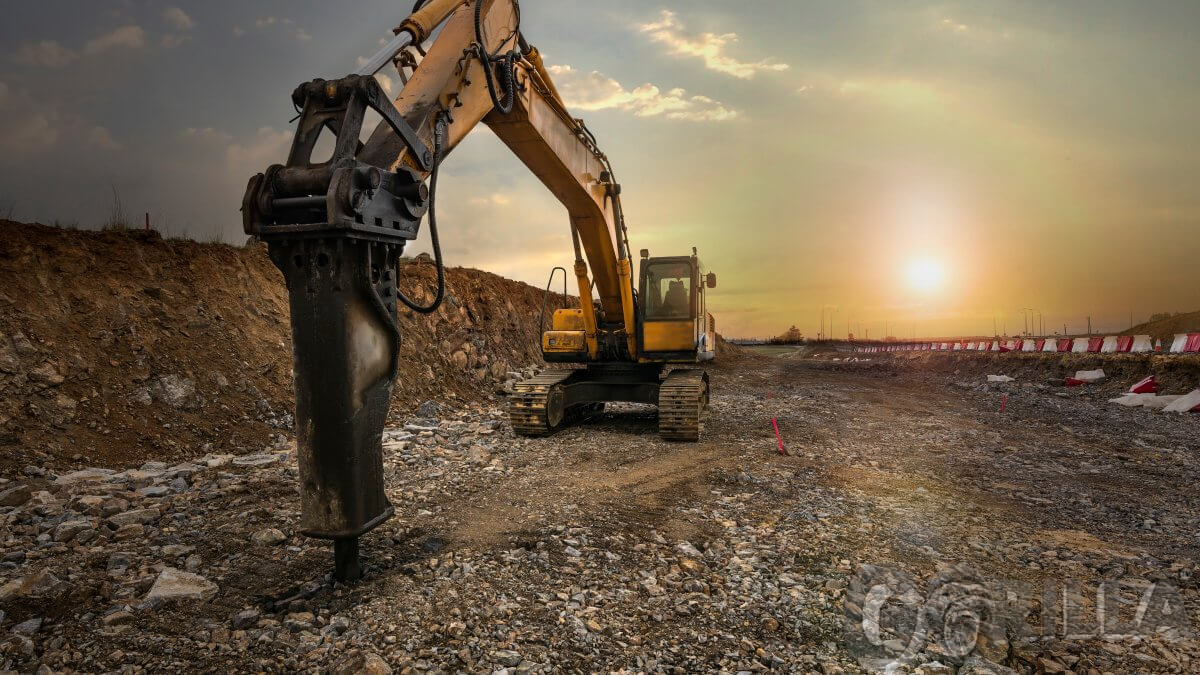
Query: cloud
[
  {"x": 596, "y": 91},
  {"x": 47, "y": 53},
  {"x": 99, "y": 137},
  {"x": 708, "y": 46},
  {"x": 268, "y": 21},
  {"x": 494, "y": 199},
  {"x": 268, "y": 146},
  {"x": 271, "y": 21},
  {"x": 208, "y": 135},
  {"x": 238, "y": 31},
  {"x": 178, "y": 19},
  {"x": 172, "y": 40},
  {"x": 132, "y": 37},
  {"x": 952, "y": 25},
  {"x": 31, "y": 127},
  {"x": 26, "y": 126},
  {"x": 385, "y": 82}
]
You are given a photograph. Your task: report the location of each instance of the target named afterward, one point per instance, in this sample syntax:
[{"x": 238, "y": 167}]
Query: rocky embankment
[{"x": 122, "y": 347}]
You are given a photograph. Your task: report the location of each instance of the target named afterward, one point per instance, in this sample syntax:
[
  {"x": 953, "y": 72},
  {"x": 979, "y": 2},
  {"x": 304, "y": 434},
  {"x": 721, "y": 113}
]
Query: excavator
[{"x": 337, "y": 226}]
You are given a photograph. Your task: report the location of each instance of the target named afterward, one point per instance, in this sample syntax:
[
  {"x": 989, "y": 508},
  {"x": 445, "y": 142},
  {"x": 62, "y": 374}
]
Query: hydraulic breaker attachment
[{"x": 335, "y": 230}]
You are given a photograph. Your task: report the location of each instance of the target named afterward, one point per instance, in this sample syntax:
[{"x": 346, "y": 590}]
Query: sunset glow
[{"x": 926, "y": 275}]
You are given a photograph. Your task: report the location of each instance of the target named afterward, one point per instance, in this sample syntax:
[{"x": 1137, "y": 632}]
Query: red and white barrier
[
  {"x": 1185, "y": 343},
  {"x": 1146, "y": 386}
]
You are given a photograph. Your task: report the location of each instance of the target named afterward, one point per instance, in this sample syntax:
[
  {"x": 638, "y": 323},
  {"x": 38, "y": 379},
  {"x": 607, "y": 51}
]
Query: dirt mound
[
  {"x": 1165, "y": 329},
  {"x": 726, "y": 350},
  {"x": 120, "y": 346}
]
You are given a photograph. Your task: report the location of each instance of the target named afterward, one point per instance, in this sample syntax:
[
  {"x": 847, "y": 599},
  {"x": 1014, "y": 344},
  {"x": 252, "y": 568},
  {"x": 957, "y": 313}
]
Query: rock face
[{"x": 173, "y": 585}]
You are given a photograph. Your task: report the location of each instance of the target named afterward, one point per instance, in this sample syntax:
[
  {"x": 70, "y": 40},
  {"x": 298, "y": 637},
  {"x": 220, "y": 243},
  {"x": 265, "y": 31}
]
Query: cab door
[{"x": 669, "y": 301}]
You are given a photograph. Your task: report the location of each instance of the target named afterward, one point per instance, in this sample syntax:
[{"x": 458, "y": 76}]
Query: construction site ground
[{"x": 604, "y": 548}]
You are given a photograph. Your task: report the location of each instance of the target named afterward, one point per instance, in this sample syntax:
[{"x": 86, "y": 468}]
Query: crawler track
[
  {"x": 537, "y": 405},
  {"x": 681, "y": 400}
]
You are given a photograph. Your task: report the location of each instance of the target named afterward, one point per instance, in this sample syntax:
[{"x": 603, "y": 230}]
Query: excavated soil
[{"x": 117, "y": 347}]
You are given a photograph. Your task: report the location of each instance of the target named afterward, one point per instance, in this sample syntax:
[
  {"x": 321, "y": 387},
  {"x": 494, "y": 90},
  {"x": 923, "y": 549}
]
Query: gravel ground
[{"x": 914, "y": 527}]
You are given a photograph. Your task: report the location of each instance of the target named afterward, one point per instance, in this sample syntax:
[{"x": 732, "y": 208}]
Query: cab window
[{"x": 668, "y": 291}]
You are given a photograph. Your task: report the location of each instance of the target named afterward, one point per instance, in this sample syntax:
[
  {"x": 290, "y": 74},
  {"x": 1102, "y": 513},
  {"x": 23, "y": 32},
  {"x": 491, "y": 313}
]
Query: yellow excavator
[{"x": 336, "y": 228}]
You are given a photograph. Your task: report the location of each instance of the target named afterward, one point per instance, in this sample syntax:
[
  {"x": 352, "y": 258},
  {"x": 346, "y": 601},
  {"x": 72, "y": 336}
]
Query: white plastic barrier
[
  {"x": 1141, "y": 344},
  {"x": 1051, "y": 345},
  {"x": 1185, "y": 403},
  {"x": 1079, "y": 346},
  {"x": 1029, "y": 345},
  {"x": 1110, "y": 345}
]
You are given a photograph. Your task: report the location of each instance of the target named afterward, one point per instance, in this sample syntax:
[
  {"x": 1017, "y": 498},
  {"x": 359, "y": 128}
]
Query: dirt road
[{"x": 954, "y": 536}]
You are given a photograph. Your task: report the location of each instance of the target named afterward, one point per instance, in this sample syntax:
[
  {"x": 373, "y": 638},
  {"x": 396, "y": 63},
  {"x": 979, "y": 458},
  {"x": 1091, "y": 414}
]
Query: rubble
[
  {"x": 174, "y": 585},
  {"x": 603, "y": 548},
  {"x": 600, "y": 548}
]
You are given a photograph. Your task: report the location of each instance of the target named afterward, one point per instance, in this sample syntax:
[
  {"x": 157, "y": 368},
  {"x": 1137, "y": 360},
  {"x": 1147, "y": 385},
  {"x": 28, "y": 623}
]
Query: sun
[{"x": 926, "y": 275}]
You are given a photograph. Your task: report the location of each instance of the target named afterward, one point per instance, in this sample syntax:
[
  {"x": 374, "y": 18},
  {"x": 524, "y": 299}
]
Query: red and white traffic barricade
[
  {"x": 1124, "y": 344},
  {"x": 1142, "y": 344},
  {"x": 1108, "y": 344},
  {"x": 1079, "y": 346},
  {"x": 1095, "y": 344},
  {"x": 1065, "y": 345},
  {"x": 1186, "y": 343},
  {"x": 1049, "y": 345}
]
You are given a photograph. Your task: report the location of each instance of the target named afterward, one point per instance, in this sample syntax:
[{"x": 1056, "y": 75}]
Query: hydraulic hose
[
  {"x": 439, "y": 131},
  {"x": 507, "y": 61}
]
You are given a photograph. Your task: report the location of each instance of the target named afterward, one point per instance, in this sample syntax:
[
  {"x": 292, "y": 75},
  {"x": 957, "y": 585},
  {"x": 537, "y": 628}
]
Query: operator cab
[{"x": 674, "y": 324}]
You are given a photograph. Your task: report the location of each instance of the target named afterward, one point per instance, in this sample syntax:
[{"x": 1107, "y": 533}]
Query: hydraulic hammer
[{"x": 336, "y": 230}]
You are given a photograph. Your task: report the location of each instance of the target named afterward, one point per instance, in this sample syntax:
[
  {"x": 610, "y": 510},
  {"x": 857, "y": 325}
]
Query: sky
[{"x": 932, "y": 168}]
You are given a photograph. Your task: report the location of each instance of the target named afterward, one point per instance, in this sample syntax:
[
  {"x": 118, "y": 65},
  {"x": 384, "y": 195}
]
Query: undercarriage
[{"x": 561, "y": 396}]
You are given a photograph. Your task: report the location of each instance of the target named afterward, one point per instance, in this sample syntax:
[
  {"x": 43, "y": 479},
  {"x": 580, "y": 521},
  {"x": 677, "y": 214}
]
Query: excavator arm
[
  {"x": 336, "y": 229},
  {"x": 557, "y": 148}
]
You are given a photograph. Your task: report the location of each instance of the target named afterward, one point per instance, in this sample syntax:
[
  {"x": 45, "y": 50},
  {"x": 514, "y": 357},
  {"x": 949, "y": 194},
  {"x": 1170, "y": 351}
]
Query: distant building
[{"x": 790, "y": 336}]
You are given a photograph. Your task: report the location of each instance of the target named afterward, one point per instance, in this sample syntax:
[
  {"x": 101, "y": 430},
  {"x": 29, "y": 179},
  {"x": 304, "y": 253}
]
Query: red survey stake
[{"x": 782, "y": 450}]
